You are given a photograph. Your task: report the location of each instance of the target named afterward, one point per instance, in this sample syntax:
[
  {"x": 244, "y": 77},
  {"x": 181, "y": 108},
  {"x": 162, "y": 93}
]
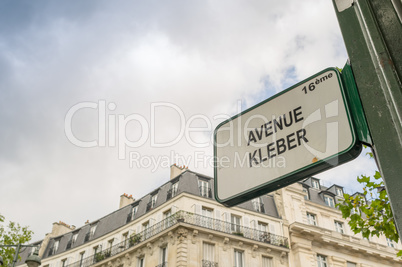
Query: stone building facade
[{"x": 180, "y": 224}]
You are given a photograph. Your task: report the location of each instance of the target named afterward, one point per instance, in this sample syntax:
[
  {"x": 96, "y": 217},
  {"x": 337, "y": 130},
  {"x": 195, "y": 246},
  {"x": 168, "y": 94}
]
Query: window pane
[
  {"x": 209, "y": 252},
  {"x": 267, "y": 262}
]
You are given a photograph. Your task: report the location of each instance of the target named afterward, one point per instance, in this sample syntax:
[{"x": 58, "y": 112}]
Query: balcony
[
  {"x": 186, "y": 218},
  {"x": 205, "y": 191},
  {"x": 206, "y": 263}
]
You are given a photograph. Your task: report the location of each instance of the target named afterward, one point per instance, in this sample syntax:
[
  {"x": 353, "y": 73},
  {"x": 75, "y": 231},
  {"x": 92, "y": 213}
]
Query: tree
[
  {"x": 372, "y": 217},
  {"x": 12, "y": 234}
]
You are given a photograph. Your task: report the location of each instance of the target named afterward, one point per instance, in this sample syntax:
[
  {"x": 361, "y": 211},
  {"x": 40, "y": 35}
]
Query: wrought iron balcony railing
[
  {"x": 187, "y": 218},
  {"x": 206, "y": 263}
]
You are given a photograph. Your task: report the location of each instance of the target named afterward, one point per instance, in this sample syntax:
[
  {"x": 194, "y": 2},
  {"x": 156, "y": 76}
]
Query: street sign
[{"x": 299, "y": 132}]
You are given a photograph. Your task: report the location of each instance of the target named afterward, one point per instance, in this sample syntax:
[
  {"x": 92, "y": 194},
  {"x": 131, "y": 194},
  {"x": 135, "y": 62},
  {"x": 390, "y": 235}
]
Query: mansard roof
[{"x": 188, "y": 183}]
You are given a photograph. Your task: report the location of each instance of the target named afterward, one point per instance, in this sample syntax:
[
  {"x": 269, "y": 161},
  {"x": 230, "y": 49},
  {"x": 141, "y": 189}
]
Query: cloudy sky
[{"x": 97, "y": 97}]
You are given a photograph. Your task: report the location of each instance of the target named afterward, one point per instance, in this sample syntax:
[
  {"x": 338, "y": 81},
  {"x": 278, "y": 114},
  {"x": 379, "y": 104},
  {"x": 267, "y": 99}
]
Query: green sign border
[{"x": 322, "y": 165}]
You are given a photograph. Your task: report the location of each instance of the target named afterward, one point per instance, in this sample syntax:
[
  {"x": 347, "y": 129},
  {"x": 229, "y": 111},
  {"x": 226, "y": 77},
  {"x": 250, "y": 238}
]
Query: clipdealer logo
[{"x": 112, "y": 127}]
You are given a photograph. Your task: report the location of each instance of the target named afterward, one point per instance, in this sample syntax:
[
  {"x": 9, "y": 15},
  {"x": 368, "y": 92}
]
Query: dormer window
[
  {"x": 153, "y": 200},
  {"x": 315, "y": 183},
  {"x": 92, "y": 230},
  {"x": 329, "y": 201},
  {"x": 339, "y": 191},
  {"x": 258, "y": 205},
  {"x": 205, "y": 191}
]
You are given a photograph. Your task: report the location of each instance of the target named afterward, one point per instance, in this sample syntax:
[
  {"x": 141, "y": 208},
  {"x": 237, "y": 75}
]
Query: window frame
[
  {"x": 235, "y": 225},
  {"x": 331, "y": 201},
  {"x": 312, "y": 218},
  {"x": 238, "y": 258},
  {"x": 322, "y": 260},
  {"x": 315, "y": 184},
  {"x": 339, "y": 227}
]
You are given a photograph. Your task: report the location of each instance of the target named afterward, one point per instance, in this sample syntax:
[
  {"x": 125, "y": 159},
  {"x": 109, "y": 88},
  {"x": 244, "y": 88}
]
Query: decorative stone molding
[
  {"x": 240, "y": 244},
  {"x": 182, "y": 234},
  {"x": 162, "y": 242},
  {"x": 171, "y": 238},
  {"x": 150, "y": 248},
  {"x": 195, "y": 234},
  {"x": 210, "y": 237},
  {"x": 226, "y": 244},
  {"x": 283, "y": 257},
  {"x": 140, "y": 253},
  {"x": 127, "y": 259},
  {"x": 254, "y": 250}
]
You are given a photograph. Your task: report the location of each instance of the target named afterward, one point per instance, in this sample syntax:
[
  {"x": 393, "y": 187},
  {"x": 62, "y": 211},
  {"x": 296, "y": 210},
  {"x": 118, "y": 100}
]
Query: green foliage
[
  {"x": 373, "y": 217},
  {"x": 12, "y": 234}
]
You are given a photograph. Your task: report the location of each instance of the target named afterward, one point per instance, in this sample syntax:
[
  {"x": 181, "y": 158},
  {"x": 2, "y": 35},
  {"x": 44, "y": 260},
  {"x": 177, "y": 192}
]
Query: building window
[
  {"x": 74, "y": 238},
  {"x": 267, "y": 262},
  {"x": 263, "y": 227},
  {"x": 207, "y": 212},
  {"x": 329, "y": 201},
  {"x": 110, "y": 245},
  {"x": 163, "y": 257},
  {"x": 166, "y": 218},
  {"x": 146, "y": 229},
  {"x": 390, "y": 243},
  {"x": 350, "y": 264},
  {"x": 92, "y": 230},
  {"x": 63, "y": 262},
  {"x": 208, "y": 258},
  {"x": 321, "y": 261},
  {"x": 311, "y": 219},
  {"x": 54, "y": 248},
  {"x": 141, "y": 262},
  {"x": 235, "y": 227},
  {"x": 153, "y": 200},
  {"x": 339, "y": 227},
  {"x": 125, "y": 238},
  {"x": 238, "y": 258},
  {"x": 81, "y": 258},
  {"x": 339, "y": 191},
  {"x": 175, "y": 186},
  {"x": 258, "y": 205},
  {"x": 306, "y": 195},
  {"x": 205, "y": 191},
  {"x": 315, "y": 183},
  {"x": 134, "y": 210}
]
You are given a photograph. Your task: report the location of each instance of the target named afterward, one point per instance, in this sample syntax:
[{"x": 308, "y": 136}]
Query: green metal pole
[
  {"x": 372, "y": 32},
  {"x": 17, "y": 252}
]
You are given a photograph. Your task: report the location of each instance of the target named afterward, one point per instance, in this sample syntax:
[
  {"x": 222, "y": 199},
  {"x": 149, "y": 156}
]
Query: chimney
[
  {"x": 176, "y": 170},
  {"x": 125, "y": 200},
  {"x": 60, "y": 228}
]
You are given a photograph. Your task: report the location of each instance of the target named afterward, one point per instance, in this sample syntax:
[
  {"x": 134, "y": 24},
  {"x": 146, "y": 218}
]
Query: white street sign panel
[{"x": 301, "y": 131}]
